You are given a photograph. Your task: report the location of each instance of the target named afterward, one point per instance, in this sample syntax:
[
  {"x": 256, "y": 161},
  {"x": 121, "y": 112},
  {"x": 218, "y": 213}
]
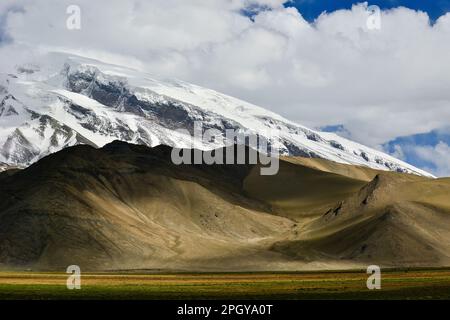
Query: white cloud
[
  {"x": 438, "y": 155},
  {"x": 379, "y": 83}
]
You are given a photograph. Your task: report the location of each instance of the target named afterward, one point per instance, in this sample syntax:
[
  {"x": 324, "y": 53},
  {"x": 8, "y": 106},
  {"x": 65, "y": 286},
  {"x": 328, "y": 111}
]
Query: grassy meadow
[{"x": 396, "y": 284}]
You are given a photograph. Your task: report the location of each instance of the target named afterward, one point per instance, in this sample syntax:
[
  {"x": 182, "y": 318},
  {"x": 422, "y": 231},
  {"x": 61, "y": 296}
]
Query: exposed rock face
[{"x": 71, "y": 100}]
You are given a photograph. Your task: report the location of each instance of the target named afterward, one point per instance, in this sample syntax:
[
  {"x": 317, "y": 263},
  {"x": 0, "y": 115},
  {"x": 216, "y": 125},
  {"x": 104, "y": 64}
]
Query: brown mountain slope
[
  {"x": 394, "y": 220},
  {"x": 299, "y": 191},
  {"x": 350, "y": 171},
  {"x": 128, "y": 207}
]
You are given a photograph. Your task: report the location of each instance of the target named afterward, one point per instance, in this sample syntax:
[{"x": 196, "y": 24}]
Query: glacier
[{"x": 60, "y": 100}]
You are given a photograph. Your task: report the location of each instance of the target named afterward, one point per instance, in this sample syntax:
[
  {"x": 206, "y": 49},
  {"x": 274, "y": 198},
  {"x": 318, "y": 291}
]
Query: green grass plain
[{"x": 396, "y": 284}]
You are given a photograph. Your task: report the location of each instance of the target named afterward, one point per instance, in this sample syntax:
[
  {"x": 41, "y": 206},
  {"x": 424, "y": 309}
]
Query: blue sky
[
  {"x": 429, "y": 151},
  {"x": 311, "y": 9}
]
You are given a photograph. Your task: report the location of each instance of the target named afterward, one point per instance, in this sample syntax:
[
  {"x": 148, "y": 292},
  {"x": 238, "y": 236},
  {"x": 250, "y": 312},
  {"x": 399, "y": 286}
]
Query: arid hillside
[{"x": 129, "y": 207}]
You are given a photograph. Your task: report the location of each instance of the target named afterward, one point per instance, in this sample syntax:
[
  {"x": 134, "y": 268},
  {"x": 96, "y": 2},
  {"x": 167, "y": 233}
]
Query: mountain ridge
[
  {"x": 62, "y": 100},
  {"x": 128, "y": 206}
]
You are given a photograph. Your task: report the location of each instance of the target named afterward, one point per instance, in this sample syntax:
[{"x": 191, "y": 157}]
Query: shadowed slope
[
  {"x": 393, "y": 220},
  {"x": 299, "y": 191},
  {"x": 349, "y": 171},
  {"x": 129, "y": 207}
]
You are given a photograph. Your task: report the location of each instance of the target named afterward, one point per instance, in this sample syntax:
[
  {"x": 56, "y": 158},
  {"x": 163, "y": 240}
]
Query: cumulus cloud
[
  {"x": 380, "y": 84},
  {"x": 439, "y": 156}
]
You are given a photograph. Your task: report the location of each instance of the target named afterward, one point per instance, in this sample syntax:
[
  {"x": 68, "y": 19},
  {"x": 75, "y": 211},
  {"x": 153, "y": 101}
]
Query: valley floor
[{"x": 396, "y": 284}]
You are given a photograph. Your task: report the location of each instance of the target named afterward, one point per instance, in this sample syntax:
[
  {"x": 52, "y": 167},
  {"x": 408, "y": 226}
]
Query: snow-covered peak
[{"x": 64, "y": 99}]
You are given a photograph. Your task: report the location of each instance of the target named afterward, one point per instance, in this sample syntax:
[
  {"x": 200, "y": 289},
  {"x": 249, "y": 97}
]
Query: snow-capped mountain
[
  {"x": 3, "y": 166},
  {"x": 62, "y": 100}
]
